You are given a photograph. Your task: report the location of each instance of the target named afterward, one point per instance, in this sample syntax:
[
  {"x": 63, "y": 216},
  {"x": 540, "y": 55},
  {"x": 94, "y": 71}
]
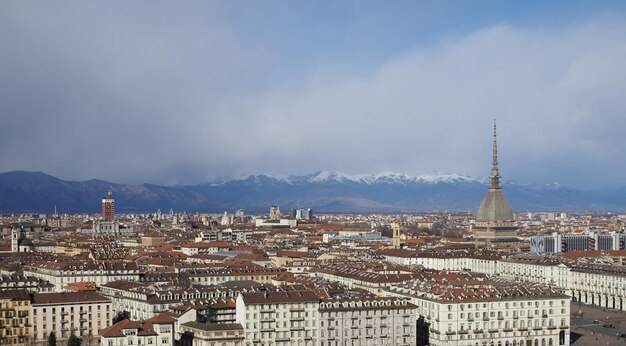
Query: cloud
[
  {"x": 556, "y": 95},
  {"x": 170, "y": 95}
]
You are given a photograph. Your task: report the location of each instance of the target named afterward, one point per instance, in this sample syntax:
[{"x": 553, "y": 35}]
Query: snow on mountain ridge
[{"x": 334, "y": 176}]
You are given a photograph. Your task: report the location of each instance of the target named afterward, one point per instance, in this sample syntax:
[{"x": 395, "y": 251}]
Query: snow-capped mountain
[
  {"x": 324, "y": 191},
  {"x": 387, "y": 177}
]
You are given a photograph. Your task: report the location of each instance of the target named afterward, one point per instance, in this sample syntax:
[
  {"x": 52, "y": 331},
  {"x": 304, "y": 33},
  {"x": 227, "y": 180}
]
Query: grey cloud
[{"x": 178, "y": 96}]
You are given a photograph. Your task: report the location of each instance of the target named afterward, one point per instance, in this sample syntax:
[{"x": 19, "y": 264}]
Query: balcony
[
  {"x": 537, "y": 328},
  {"x": 563, "y": 327},
  {"x": 297, "y": 319},
  {"x": 434, "y": 331},
  {"x": 478, "y": 331},
  {"x": 64, "y": 313},
  {"x": 485, "y": 318},
  {"x": 463, "y": 331},
  {"x": 500, "y": 318},
  {"x": 507, "y": 330},
  {"x": 493, "y": 330},
  {"x": 523, "y": 329},
  {"x": 450, "y": 332}
]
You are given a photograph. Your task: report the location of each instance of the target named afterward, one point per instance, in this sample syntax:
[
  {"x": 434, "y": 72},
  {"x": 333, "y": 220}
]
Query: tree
[
  {"x": 122, "y": 315},
  {"x": 73, "y": 341},
  {"x": 52, "y": 339}
]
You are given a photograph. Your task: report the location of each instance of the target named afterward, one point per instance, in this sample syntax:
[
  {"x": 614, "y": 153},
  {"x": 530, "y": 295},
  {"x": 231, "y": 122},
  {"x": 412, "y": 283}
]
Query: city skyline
[{"x": 184, "y": 94}]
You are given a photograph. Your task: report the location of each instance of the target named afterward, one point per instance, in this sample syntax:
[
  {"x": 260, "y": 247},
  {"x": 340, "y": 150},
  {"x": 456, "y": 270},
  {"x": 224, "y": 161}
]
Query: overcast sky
[{"x": 182, "y": 92}]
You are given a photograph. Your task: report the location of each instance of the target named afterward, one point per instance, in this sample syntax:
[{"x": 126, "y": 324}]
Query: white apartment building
[
  {"x": 367, "y": 321},
  {"x": 60, "y": 274},
  {"x": 460, "y": 260},
  {"x": 593, "y": 284},
  {"x": 279, "y": 318},
  {"x": 468, "y": 310},
  {"x": 67, "y": 313},
  {"x": 144, "y": 301}
]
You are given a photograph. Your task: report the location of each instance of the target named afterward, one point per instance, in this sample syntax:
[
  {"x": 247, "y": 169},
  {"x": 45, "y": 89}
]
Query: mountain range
[{"x": 324, "y": 191}]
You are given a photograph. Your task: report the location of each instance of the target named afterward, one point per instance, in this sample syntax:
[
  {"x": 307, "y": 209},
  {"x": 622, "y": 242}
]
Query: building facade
[{"x": 67, "y": 313}]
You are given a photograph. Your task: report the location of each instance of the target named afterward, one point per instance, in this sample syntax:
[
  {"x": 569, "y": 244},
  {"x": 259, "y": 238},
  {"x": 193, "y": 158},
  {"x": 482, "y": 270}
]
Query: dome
[
  {"x": 26, "y": 242},
  {"x": 494, "y": 207}
]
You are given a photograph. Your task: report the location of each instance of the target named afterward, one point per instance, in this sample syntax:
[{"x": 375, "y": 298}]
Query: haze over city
[{"x": 183, "y": 93}]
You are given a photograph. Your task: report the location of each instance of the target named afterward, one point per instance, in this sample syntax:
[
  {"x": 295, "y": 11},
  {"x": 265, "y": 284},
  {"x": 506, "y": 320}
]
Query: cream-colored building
[
  {"x": 205, "y": 334},
  {"x": 279, "y": 318},
  {"x": 464, "y": 309},
  {"x": 60, "y": 274},
  {"x": 367, "y": 321},
  {"x": 14, "y": 319},
  {"x": 67, "y": 313}
]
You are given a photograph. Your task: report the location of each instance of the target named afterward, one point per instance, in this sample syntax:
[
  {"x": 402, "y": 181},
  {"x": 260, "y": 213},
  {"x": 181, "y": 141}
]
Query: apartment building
[
  {"x": 67, "y": 313},
  {"x": 279, "y": 318},
  {"x": 14, "y": 317},
  {"x": 60, "y": 273},
  {"x": 467, "y": 309},
  {"x": 369, "y": 320}
]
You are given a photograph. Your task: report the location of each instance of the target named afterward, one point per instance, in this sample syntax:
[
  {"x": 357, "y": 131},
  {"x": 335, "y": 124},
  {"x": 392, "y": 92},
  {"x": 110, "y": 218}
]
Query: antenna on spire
[{"x": 495, "y": 174}]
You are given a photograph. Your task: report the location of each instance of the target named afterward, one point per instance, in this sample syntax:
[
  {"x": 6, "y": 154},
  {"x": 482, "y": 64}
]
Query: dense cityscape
[
  {"x": 298, "y": 278},
  {"x": 312, "y": 173}
]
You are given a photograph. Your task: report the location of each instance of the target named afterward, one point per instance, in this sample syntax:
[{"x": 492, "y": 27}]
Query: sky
[{"x": 183, "y": 92}]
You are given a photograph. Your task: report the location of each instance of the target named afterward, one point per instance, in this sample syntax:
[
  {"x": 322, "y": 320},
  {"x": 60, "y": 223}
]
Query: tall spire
[{"x": 494, "y": 179}]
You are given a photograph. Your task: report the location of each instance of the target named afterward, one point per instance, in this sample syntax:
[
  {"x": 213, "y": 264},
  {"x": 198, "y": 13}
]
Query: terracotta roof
[
  {"x": 68, "y": 297},
  {"x": 117, "y": 330},
  {"x": 214, "y": 326},
  {"x": 161, "y": 319},
  {"x": 280, "y": 297},
  {"x": 15, "y": 294}
]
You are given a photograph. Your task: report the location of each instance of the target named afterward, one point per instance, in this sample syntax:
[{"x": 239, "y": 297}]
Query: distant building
[
  {"x": 395, "y": 227},
  {"x": 495, "y": 221},
  {"x": 275, "y": 213},
  {"x": 558, "y": 243},
  {"x": 108, "y": 224},
  {"x": 302, "y": 213},
  {"x": 19, "y": 241},
  {"x": 108, "y": 207}
]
